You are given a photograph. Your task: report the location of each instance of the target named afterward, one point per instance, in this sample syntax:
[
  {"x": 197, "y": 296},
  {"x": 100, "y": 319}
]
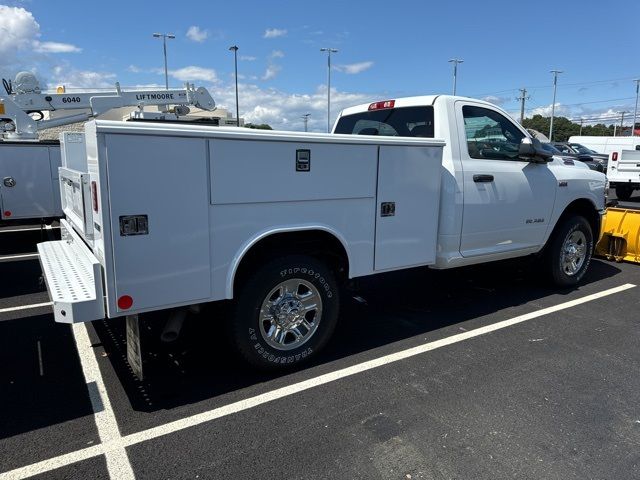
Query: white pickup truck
[
  {"x": 623, "y": 172},
  {"x": 165, "y": 216}
]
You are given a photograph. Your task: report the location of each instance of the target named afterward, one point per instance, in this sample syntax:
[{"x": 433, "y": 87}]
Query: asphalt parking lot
[{"x": 480, "y": 372}]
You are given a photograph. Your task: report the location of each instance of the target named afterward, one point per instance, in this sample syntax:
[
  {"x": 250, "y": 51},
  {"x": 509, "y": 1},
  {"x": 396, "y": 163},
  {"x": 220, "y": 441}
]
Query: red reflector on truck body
[
  {"x": 125, "y": 302},
  {"x": 614, "y": 156},
  {"x": 94, "y": 195},
  {"x": 382, "y": 105}
]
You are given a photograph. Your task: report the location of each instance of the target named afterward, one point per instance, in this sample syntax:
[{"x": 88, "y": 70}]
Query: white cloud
[
  {"x": 274, "y": 33},
  {"x": 277, "y": 54},
  {"x": 545, "y": 111},
  {"x": 134, "y": 69},
  {"x": 496, "y": 100},
  {"x": 353, "y": 68},
  {"x": 248, "y": 58},
  {"x": 192, "y": 72},
  {"x": 56, "y": 47},
  {"x": 85, "y": 79},
  {"x": 284, "y": 110},
  {"x": 271, "y": 72},
  {"x": 18, "y": 30},
  {"x": 195, "y": 34}
]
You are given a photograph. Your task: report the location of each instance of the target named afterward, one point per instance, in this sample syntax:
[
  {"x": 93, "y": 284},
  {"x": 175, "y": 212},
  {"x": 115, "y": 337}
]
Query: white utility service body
[
  {"x": 161, "y": 216},
  {"x": 623, "y": 172},
  {"x": 209, "y": 194}
]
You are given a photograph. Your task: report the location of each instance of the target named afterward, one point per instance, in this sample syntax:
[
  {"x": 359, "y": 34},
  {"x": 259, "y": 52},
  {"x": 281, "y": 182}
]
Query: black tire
[
  {"x": 246, "y": 334},
  {"x": 623, "y": 192},
  {"x": 553, "y": 258}
]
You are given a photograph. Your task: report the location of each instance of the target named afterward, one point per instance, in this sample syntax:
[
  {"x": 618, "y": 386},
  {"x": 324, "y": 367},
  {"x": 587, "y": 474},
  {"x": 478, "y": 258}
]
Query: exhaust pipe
[{"x": 171, "y": 330}]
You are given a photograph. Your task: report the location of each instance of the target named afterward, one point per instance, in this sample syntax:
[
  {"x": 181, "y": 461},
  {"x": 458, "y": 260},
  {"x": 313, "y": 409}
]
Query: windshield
[
  {"x": 550, "y": 148},
  {"x": 581, "y": 148},
  {"x": 393, "y": 122}
]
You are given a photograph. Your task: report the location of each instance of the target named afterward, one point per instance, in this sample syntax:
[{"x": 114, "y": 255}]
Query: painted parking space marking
[
  {"x": 23, "y": 256},
  {"x": 25, "y": 307},
  {"x": 114, "y": 445}
]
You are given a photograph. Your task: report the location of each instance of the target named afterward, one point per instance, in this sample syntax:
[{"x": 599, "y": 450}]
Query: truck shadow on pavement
[{"x": 391, "y": 308}]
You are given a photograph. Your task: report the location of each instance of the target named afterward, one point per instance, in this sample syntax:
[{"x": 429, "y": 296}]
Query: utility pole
[
  {"x": 553, "y": 105},
  {"x": 522, "y": 98},
  {"x": 581, "y": 122},
  {"x": 455, "y": 62},
  {"x": 234, "y": 49},
  {"x": 635, "y": 111},
  {"x": 305, "y": 119},
  {"x": 329, "y": 52}
]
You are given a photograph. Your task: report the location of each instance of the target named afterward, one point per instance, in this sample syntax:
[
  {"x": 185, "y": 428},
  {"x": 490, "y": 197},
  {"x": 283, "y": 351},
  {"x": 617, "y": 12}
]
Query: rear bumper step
[{"x": 73, "y": 277}]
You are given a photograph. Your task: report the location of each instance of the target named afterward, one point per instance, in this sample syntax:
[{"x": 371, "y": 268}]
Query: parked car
[
  {"x": 594, "y": 160},
  {"x": 590, "y": 163}
]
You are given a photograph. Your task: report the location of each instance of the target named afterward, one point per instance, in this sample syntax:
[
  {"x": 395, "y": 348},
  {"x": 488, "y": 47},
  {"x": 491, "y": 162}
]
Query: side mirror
[{"x": 531, "y": 150}]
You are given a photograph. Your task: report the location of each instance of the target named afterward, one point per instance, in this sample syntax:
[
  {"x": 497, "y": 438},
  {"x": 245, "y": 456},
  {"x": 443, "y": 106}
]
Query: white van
[{"x": 607, "y": 144}]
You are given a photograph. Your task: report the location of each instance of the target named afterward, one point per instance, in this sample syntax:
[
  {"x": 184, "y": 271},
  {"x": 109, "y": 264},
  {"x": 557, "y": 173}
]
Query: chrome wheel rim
[
  {"x": 573, "y": 253},
  {"x": 290, "y": 314}
]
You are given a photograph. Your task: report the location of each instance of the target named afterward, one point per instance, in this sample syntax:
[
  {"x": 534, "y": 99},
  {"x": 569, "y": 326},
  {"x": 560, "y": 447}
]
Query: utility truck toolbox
[{"x": 166, "y": 217}]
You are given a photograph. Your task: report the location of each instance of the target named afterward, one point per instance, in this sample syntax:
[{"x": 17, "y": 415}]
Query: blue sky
[{"x": 386, "y": 50}]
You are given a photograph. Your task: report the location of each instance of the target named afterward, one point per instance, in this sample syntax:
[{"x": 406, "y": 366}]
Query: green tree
[
  {"x": 563, "y": 128},
  {"x": 261, "y": 126}
]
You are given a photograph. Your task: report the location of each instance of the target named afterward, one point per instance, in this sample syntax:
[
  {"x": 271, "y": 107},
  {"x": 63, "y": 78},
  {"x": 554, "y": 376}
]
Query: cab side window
[{"x": 490, "y": 135}]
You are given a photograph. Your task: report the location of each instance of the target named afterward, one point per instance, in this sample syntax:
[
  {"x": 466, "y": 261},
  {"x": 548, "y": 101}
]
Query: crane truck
[
  {"x": 29, "y": 183},
  {"x": 278, "y": 222}
]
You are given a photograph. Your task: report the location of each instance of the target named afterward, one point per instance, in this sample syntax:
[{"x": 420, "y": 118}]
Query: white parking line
[
  {"x": 23, "y": 256},
  {"x": 118, "y": 463},
  {"x": 27, "y": 229},
  {"x": 25, "y": 307},
  {"x": 116, "y": 443}
]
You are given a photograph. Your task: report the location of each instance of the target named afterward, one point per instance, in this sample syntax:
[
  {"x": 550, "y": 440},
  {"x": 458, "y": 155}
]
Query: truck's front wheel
[
  {"x": 285, "y": 312},
  {"x": 569, "y": 252}
]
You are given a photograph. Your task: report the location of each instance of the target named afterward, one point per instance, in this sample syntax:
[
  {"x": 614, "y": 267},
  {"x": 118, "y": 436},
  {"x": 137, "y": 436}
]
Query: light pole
[
  {"x": 164, "y": 37},
  {"x": 234, "y": 49},
  {"x": 635, "y": 111},
  {"x": 305, "y": 119},
  {"x": 553, "y": 105},
  {"x": 329, "y": 52},
  {"x": 455, "y": 62},
  {"x": 581, "y": 122}
]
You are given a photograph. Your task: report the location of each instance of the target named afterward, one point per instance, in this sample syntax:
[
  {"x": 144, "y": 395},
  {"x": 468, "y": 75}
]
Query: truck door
[
  {"x": 26, "y": 182},
  {"x": 507, "y": 201}
]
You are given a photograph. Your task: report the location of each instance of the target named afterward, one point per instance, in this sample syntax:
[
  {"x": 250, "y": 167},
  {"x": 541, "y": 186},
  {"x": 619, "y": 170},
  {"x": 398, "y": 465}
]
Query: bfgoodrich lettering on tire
[
  {"x": 285, "y": 313},
  {"x": 569, "y": 252}
]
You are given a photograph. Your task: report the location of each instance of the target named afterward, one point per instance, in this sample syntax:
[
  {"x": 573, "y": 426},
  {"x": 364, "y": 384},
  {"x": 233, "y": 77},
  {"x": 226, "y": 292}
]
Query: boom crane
[{"x": 24, "y": 98}]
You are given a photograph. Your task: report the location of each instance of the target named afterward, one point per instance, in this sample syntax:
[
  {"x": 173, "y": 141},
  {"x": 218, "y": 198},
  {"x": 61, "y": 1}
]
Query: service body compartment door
[
  {"x": 27, "y": 181},
  {"x": 159, "y": 207},
  {"x": 408, "y": 206}
]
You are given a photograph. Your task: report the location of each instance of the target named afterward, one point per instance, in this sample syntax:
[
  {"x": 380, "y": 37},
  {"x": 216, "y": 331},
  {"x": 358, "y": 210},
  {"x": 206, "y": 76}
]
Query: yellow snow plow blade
[{"x": 620, "y": 235}]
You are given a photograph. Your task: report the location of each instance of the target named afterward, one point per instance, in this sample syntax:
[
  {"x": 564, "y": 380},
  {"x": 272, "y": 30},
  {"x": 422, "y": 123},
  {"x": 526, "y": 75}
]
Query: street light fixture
[
  {"x": 234, "y": 49},
  {"x": 305, "y": 118},
  {"x": 164, "y": 37},
  {"x": 329, "y": 52},
  {"x": 553, "y": 105},
  {"x": 455, "y": 62}
]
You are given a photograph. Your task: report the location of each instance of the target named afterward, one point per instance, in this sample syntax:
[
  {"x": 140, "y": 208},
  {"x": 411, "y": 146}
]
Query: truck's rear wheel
[
  {"x": 623, "y": 192},
  {"x": 285, "y": 313},
  {"x": 569, "y": 252}
]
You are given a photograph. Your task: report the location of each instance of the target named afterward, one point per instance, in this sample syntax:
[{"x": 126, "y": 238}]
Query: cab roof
[{"x": 417, "y": 101}]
